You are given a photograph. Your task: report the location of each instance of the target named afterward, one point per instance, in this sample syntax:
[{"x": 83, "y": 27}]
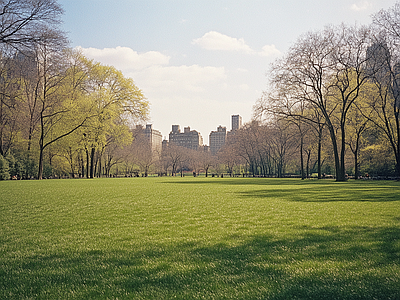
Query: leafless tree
[
  {"x": 25, "y": 23},
  {"x": 143, "y": 155},
  {"x": 385, "y": 54},
  {"x": 228, "y": 155},
  {"x": 327, "y": 71},
  {"x": 175, "y": 156}
]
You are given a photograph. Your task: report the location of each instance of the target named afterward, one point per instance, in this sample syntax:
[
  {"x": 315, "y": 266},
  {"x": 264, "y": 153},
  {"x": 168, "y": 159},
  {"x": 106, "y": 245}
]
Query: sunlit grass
[{"x": 199, "y": 238}]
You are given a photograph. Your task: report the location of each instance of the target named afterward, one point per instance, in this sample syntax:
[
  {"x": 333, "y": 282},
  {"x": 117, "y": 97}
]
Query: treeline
[
  {"x": 331, "y": 109},
  {"x": 337, "y": 91},
  {"x": 59, "y": 111}
]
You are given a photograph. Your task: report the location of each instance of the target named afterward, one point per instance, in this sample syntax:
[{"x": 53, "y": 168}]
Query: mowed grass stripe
[{"x": 192, "y": 238}]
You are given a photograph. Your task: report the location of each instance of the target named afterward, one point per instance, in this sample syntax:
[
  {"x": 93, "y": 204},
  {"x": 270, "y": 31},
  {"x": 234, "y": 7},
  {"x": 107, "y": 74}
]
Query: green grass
[{"x": 199, "y": 238}]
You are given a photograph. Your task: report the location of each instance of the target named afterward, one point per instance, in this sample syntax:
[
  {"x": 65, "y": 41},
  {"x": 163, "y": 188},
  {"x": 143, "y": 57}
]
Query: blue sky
[{"x": 199, "y": 62}]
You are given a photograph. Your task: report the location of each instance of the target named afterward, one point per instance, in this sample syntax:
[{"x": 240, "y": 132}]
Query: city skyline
[{"x": 199, "y": 62}]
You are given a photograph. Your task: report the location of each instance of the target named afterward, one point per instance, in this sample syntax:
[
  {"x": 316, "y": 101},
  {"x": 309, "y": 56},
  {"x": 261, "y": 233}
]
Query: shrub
[{"x": 4, "y": 169}]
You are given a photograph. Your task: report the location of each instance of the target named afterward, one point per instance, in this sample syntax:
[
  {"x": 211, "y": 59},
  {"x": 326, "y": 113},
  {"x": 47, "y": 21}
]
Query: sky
[{"x": 200, "y": 61}]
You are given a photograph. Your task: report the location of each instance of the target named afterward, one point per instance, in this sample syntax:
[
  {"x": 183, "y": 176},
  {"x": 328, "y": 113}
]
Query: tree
[
  {"x": 284, "y": 103},
  {"x": 4, "y": 169},
  {"x": 175, "y": 156},
  {"x": 358, "y": 123},
  {"x": 62, "y": 110},
  {"x": 247, "y": 144},
  {"x": 10, "y": 103},
  {"x": 385, "y": 55},
  {"x": 207, "y": 160},
  {"x": 142, "y": 152},
  {"x": 228, "y": 156},
  {"x": 25, "y": 23},
  {"x": 318, "y": 70},
  {"x": 117, "y": 102}
]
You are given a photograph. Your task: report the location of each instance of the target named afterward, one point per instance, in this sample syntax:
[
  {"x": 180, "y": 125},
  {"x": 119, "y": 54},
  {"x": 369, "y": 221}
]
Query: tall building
[
  {"x": 236, "y": 125},
  {"x": 154, "y": 137},
  {"x": 150, "y": 135},
  {"x": 378, "y": 61},
  {"x": 217, "y": 139},
  {"x": 236, "y": 122},
  {"x": 190, "y": 139}
]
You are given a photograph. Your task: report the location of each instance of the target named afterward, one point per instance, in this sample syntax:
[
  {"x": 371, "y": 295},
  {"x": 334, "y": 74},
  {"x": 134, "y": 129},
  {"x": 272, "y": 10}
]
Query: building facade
[
  {"x": 190, "y": 139},
  {"x": 236, "y": 125},
  {"x": 236, "y": 122},
  {"x": 217, "y": 139},
  {"x": 154, "y": 137}
]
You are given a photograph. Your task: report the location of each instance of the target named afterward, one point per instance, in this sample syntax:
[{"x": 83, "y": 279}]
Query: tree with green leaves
[{"x": 117, "y": 103}]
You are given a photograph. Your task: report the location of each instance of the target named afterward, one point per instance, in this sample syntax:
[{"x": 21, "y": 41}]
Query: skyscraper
[
  {"x": 236, "y": 122},
  {"x": 217, "y": 139}
]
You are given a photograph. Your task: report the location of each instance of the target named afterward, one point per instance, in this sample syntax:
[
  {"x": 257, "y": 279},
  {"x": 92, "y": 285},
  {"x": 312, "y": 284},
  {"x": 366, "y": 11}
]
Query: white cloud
[
  {"x": 269, "y": 50},
  {"x": 189, "y": 95},
  {"x": 176, "y": 79},
  {"x": 362, "y": 5},
  {"x": 217, "y": 41},
  {"x": 124, "y": 58},
  {"x": 151, "y": 71}
]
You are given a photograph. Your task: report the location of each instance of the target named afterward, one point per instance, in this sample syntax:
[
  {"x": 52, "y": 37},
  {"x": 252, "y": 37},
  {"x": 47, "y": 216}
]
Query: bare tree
[
  {"x": 24, "y": 23},
  {"x": 327, "y": 71},
  {"x": 143, "y": 155},
  {"x": 175, "y": 155},
  {"x": 207, "y": 160},
  {"x": 10, "y": 101},
  {"x": 228, "y": 156},
  {"x": 385, "y": 66}
]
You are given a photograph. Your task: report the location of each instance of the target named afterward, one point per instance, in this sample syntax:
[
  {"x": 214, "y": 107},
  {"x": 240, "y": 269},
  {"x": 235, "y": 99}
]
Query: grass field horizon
[{"x": 199, "y": 238}]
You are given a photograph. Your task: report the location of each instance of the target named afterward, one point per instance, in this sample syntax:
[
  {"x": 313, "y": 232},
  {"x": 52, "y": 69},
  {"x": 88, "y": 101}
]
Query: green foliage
[
  {"x": 378, "y": 160},
  {"x": 199, "y": 238},
  {"x": 4, "y": 169},
  {"x": 47, "y": 170},
  {"x": 30, "y": 166}
]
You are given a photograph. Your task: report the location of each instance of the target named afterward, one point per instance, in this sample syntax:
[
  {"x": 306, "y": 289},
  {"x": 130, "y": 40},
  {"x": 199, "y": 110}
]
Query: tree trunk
[
  {"x": 87, "y": 163},
  {"x": 308, "y": 164},
  {"x": 302, "y": 158},
  {"x": 319, "y": 153},
  {"x": 41, "y": 148},
  {"x": 339, "y": 172},
  {"x": 92, "y": 162},
  {"x": 40, "y": 171},
  {"x": 83, "y": 166},
  {"x": 342, "y": 176}
]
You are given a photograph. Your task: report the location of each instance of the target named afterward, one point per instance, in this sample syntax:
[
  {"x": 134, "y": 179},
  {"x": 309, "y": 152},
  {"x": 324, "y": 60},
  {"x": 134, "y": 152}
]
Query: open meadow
[{"x": 199, "y": 238}]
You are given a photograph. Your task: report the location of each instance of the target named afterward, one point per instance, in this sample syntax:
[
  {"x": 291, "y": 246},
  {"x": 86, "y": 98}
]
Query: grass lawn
[{"x": 199, "y": 238}]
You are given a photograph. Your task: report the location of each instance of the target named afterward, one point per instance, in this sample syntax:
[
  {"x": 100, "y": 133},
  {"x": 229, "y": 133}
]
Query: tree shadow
[
  {"x": 309, "y": 191},
  {"x": 242, "y": 181},
  {"x": 328, "y": 193},
  {"x": 318, "y": 263}
]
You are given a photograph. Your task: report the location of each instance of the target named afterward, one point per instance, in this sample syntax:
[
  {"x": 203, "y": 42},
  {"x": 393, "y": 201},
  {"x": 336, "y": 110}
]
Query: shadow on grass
[
  {"x": 243, "y": 181},
  {"x": 328, "y": 193},
  {"x": 310, "y": 190},
  {"x": 318, "y": 263}
]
